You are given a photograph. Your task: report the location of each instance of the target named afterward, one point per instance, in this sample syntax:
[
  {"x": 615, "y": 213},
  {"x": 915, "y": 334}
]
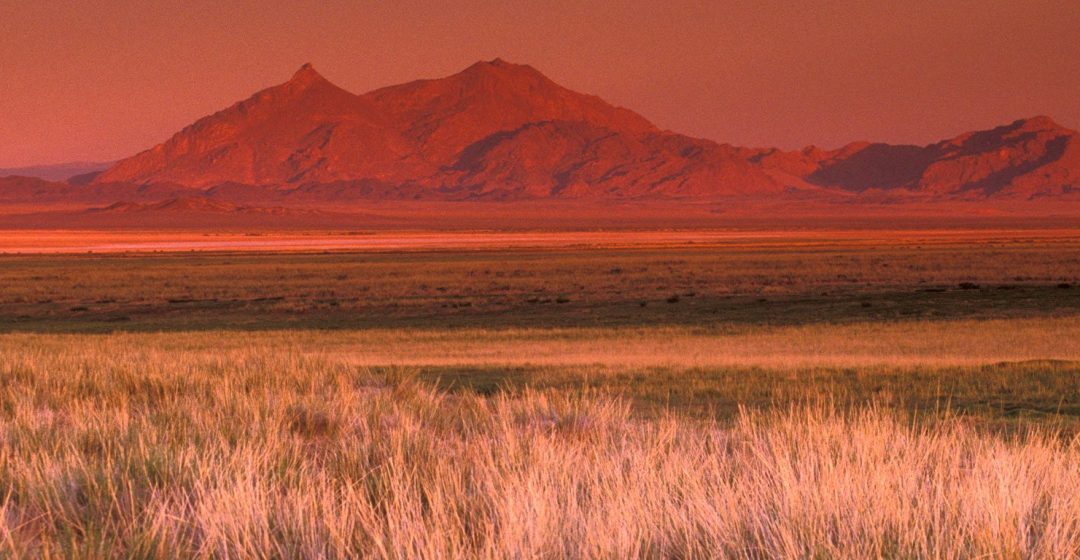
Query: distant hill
[
  {"x": 1029, "y": 158},
  {"x": 57, "y": 172}
]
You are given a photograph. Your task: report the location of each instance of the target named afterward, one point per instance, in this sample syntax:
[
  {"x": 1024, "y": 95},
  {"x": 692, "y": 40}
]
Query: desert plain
[{"x": 681, "y": 393}]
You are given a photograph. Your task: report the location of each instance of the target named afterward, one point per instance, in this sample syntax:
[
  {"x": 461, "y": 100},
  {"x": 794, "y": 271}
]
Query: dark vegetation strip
[{"x": 514, "y": 288}]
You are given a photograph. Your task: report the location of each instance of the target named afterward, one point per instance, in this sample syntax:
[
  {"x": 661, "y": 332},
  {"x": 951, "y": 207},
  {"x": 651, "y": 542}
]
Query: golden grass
[
  {"x": 913, "y": 343},
  {"x": 249, "y": 445},
  {"x": 867, "y": 344}
]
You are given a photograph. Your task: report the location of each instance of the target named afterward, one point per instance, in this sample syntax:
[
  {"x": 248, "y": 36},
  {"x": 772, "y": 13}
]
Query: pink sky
[{"x": 101, "y": 80}]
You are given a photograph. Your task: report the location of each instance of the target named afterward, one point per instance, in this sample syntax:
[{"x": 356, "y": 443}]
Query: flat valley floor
[{"x": 750, "y": 393}]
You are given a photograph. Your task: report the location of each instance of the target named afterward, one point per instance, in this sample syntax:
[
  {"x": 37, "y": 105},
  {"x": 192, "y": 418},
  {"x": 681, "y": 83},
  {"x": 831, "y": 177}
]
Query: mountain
[
  {"x": 495, "y": 130},
  {"x": 58, "y": 171},
  {"x": 1029, "y": 158},
  {"x": 445, "y": 116},
  {"x": 502, "y": 132},
  {"x": 306, "y": 129}
]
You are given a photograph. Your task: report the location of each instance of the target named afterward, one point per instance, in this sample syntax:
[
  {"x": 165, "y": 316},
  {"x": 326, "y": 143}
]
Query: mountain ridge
[
  {"x": 503, "y": 131},
  {"x": 978, "y": 162}
]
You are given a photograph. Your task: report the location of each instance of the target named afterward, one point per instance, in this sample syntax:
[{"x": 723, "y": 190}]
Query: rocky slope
[
  {"x": 1028, "y": 158},
  {"x": 495, "y": 130}
]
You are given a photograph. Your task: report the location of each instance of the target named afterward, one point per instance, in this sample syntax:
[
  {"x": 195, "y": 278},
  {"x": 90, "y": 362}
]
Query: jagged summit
[
  {"x": 306, "y": 74},
  {"x": 305, "y": 80}
]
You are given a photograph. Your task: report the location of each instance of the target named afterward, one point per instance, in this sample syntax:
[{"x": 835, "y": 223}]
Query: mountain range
[{"x": 503, "y": 132}]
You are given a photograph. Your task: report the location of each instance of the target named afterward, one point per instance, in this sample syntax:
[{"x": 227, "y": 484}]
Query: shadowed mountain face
[
  {"x": 1032, "y": 157},
  {"x": 501, "y": 131}
]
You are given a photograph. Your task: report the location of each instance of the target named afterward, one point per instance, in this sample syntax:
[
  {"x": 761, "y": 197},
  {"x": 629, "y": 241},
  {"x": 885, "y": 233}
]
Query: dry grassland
[
  {"x": 770, "y": 398},
  {"x": 217, "y": 445}
]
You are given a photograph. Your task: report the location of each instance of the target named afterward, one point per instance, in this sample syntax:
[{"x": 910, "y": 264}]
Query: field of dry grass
[
  {"x": 154, "y": 446},
  {"x": 865, "y": 344},
  {"x": 834, "y": 399}
]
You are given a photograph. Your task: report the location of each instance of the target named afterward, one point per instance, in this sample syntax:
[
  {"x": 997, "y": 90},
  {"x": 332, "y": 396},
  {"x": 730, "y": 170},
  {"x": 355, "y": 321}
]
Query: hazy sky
[{"x": 100, "y": 80}]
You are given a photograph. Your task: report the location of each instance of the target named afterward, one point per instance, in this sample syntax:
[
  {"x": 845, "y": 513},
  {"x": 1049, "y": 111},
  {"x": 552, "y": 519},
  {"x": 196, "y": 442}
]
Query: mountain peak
[
  {"x": 498, "y": 62},
  {"x": 306, "y": 75},
  {"x": 499, "y": 66},
  {"x": 1038, "y": 122}
]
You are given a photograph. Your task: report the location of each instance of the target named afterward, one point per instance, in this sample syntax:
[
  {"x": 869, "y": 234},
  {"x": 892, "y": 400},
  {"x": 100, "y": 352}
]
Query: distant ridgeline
[{"x": 504, "y": 132}]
